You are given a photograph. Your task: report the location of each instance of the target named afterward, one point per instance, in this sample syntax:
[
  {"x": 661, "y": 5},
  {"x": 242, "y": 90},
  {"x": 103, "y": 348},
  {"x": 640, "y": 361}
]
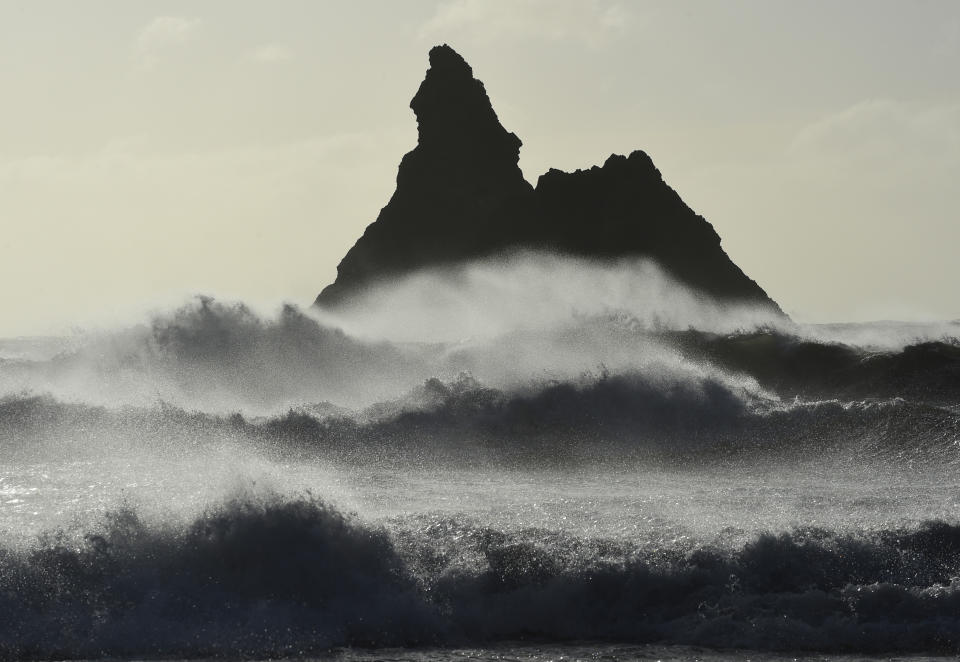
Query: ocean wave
[
  {"x": 218, "y": 356},
  {"x": 250, "y": 577},
  {"x": 266, "y": 576},
  {"x": 222, "y": 357},
  {"x": 598, "y": 417},
  {"x": 790, "y": 364}
]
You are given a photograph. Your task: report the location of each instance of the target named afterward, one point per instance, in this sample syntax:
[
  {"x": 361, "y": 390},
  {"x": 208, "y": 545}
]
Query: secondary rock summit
[{"x": 461, "y": 196}]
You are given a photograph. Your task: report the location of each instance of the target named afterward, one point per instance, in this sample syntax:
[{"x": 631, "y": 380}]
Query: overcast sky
[{"x": 153, "y": 150}]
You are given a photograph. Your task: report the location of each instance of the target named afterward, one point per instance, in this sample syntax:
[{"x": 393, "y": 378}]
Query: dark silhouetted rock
[
  {"x": 460, "y": 193},
  {"x": 625, "y": 209},
  {"x": 461, "y": 196}
]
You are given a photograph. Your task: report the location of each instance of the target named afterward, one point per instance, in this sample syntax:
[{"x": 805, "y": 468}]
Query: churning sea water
[{"x": 217, "y": 485}]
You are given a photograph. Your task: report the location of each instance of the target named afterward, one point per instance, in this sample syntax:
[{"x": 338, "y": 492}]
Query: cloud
[
  {"x": 163, "y": 32},
  {"x": 883, "y": 128},
  {"x": 591, "y": 22},
  {"x": 272, "y": 53}
]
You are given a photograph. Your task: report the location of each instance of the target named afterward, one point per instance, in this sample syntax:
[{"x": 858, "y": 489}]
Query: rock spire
[{"x": 461, "y": 196}]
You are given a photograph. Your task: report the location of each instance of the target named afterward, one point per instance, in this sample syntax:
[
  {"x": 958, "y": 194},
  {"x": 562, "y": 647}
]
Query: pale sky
[{"x": 150, "y": 151}]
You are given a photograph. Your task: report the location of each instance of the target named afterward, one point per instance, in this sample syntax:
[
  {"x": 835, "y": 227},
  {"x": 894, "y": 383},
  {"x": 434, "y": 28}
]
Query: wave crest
[{"x": 265, "y": 576}]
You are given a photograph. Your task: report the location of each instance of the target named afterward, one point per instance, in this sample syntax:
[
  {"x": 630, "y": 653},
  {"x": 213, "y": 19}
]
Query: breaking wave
[
  {"x": 602, "y": 405},
  {"x": 217, "y": 356},
  {"x": 486, "y": 320},
  {"x": 265, "y": 576},
  {"x": 596, "y": 419}
]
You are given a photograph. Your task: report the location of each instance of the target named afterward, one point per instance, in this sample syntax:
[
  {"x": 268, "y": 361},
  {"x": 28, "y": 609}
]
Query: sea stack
[
  {"x": 625, "y": 209},
  {"x": 460, "y": 193},
  {"x": 461, "y": 196}
]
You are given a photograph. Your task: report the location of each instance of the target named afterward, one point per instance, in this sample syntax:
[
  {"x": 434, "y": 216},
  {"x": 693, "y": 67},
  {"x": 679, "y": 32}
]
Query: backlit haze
[{"x": 153, "y": 151}]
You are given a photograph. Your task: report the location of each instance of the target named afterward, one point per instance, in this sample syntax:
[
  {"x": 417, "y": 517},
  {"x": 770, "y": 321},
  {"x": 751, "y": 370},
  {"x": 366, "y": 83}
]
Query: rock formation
[
  {"x": 461, "y": 196},
  {"x": 460, "y": 193},
  {"x": 624, "y": 208}
]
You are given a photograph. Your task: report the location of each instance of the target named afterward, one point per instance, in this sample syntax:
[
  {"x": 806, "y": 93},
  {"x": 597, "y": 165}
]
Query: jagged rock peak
[
  {"x": 460, "y": 192},
  {"x": 446, "y": 61},
  {"x": 624, "y": 208},
  {"x": 461, "y": 196},
  {"x": 453, "y": 110},
  {"x": 638, "y": 163}
]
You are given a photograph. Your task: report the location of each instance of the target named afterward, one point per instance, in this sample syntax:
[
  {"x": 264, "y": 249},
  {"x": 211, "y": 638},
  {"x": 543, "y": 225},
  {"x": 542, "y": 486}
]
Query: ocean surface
[{"x": 605, "y": 483}]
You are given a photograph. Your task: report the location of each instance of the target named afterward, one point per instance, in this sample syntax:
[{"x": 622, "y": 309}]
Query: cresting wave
[
  {"x": 600, "y": 472},
  {"x": 265, "y": 576},
  {"x": 222, "y": 358},
  {"x": 595, "y": 419}
]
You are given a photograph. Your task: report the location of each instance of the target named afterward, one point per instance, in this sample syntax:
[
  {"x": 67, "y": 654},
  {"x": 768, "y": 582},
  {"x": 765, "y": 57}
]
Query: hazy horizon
[{"x": 153, "y": 152}]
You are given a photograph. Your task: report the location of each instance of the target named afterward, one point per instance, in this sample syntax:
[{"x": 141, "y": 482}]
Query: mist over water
[
  {"x": 478, "y": 455},
  {"x": 534, "y": 291}
]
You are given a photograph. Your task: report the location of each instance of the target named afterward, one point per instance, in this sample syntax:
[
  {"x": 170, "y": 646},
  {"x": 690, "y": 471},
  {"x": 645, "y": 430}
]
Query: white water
[{"x": 585, "y": 481}]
